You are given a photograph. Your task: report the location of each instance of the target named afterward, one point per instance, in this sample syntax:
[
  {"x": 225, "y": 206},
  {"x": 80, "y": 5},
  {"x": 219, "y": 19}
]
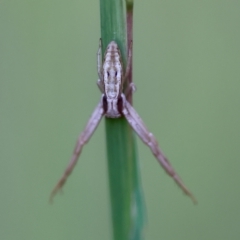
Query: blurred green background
[{"x": 187, "y": 71}]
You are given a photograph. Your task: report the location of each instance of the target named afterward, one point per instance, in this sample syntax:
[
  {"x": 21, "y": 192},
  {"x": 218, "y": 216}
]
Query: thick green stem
[{"x": 125, "y": 188}]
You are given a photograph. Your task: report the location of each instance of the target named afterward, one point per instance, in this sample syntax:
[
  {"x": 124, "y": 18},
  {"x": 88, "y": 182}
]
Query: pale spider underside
[{"x": 113, "y": 104}]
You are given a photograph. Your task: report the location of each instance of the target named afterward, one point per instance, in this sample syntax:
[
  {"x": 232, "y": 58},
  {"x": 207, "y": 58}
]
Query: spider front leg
[
  {"x": 129, "y": 63},
  {"x": 130, "y": 87},
  {"x": 137, "y": 124},
  {"x": 82, "y": 140},
  {"x": 99, "y": 67},
  {"x": 100, "y": 85},
  {"x": 99, "y": 60}
]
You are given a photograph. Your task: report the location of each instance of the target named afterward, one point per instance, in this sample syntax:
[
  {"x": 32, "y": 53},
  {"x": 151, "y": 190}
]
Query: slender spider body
[
  {"x": 111, "y": 80},
  {"x": 113, "y": 104}
]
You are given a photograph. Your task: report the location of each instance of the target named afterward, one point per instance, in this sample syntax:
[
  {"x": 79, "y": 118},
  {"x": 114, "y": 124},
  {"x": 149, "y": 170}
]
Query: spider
[{"x": 114, "y": 104}]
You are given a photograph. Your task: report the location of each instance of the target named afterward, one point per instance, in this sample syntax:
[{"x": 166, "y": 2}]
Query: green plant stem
[{"x": 125, "y": 187}]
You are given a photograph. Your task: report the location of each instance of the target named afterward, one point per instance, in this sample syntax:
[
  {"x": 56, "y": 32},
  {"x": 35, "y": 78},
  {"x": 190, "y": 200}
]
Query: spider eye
[
  {"x": 108, "y": 73},
  {"x": 116, "y": 74}
]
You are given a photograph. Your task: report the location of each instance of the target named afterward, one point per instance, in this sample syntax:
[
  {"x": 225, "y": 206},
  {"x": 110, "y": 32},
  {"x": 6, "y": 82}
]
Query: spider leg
[
  {"x": 129, "y": 63},
  {"x": 137, "y": 124},
  {"x": 100, "y": 85},
  {"x": 99, "y": 61},
  {"x": 82, "y": 140},
  {"x": 130, "y": 89},
  {"x": 128, "y": 86},
  {"x": 99, "y": 68}
]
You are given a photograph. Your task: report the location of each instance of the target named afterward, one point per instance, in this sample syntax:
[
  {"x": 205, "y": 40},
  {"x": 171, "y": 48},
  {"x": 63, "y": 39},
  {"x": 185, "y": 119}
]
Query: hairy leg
[
  {"x": 100, "y": 85},
  {"x": 99, "y": 61},
  {"x": 82, "y": 140},
  {"x": 130, "y": 89},
  {"x": 147, "y": 137},
  {"x": 129, "y": 62}
]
